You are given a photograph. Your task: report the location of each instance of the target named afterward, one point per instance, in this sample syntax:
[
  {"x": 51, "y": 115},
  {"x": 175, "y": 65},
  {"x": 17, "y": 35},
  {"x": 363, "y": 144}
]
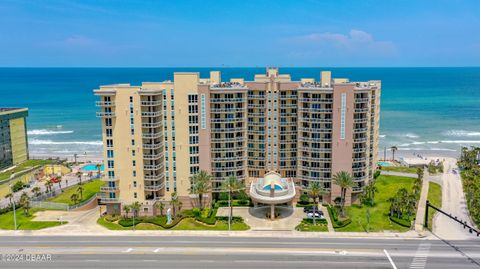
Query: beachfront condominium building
[
  {"x": 13, "y": 136},
  {"x": 159, "y": 134}
]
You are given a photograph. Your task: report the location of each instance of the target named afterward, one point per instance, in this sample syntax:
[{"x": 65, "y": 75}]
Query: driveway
[
  {"x": 78, "y": 221},
  {"x": 453, "y": 201},
  {"x": 289, "y": 218}
]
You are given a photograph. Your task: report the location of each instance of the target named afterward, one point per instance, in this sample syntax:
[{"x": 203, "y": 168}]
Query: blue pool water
[
  {"x": 384, "y": 164},
  {"x": 90, "y": 168},
  {"x": 277, "y": 188}
]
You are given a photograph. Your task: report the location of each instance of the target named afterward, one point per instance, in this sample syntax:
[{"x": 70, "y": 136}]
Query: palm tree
[
  {"x": 74, "y": 198},
  {"x": 160, "y": 207},
  {"x": 48, "y": 186},
  {"x": 372, "y": 189},
  {"x": 80, "y": 190},
  {"x": 126, "y": 209},
  {"x": 232, "y": 185},
  {"x": 135, "y": 209},
  {"x": 174, "y": 202},
  {"x": 393, "y": 149},
  {"x": 36, "y": 191},
  {"x": 345, "y": 181},
  {"x": 98, "y": 166},
  {"x": 25, "y": 202},
  {"x": 201, "y": 184},
  {"x": 315, "y": 190},
  {"x": 79, "y": 175}
]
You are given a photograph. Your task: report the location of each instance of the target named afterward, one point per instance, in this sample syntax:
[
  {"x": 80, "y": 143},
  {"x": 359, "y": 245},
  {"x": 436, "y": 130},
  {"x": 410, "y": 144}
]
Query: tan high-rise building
[{"x": 159, "y": 134}]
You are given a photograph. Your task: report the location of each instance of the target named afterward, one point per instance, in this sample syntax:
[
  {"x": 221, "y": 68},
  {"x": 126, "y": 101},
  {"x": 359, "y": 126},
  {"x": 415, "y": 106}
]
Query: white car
[{"x": 317, "y": 215}]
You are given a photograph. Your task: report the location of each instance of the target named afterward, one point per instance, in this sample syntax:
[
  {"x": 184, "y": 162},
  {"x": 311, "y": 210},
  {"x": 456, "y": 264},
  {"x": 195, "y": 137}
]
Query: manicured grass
[
  {"x": 24, "y": 166},
  {"x": 89, "y": 190},
  {"x": 25, "y": 222},
  {"x": 401, "y": 169},
  {"x": 185, "y": 224},
  {"x": 306, "y": 225},
  {"x": 435, "y": 198},
  {"x": 379, "y": 214}
]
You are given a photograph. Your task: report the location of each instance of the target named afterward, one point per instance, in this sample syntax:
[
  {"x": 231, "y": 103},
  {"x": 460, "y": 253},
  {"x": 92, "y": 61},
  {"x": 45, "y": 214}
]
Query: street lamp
[{"x": 14, "y": 213}]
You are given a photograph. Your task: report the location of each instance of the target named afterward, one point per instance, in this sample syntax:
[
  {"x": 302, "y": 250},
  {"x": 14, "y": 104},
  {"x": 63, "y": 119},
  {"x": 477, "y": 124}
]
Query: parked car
[
  {"x": 309, "y": 208},
  {"x": 317, "y": 215}
]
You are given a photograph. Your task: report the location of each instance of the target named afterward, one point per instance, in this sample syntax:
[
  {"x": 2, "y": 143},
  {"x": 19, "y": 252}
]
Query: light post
[{"x": 13, "y": 203}]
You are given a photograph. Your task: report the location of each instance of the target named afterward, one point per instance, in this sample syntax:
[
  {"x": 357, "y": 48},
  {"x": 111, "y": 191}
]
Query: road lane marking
[
  {"x": 420, "y": 259},
  {"x": 390, "y": 259},
  {"x": 128, "y": 250}
]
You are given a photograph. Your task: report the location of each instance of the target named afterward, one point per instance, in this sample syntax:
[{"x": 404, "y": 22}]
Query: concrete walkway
[
  {"x": 401, "y": 174},
  {"x": 327, "y": 216},
  {"x": 422, "y": 203}
]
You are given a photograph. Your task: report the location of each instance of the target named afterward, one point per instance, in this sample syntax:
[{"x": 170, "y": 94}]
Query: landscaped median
[
  {"x": 205, "y": 219},
  {"x": 306, "y": 225},
  {"x": 435, "y": 199}
]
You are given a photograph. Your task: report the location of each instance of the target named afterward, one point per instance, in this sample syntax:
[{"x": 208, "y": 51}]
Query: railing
[
  {"x": 152, "y": 166},
  {"x": 152, "y": 135},
  {"x": 316, "y": 100},
  {"x": 233, "y": 109},
  {"x": 152, "y": 156},
  {"x": 227, "y": 120},
  {"x": 105, "y": 114},
  {"x": 361, "y": 110},
  {"x": 153, "y": 146},
  {"x": 150, "y": 103},
  {"x": 153, "y": 177},
  {"x": 109, "y": 188},
  {"x": 152, "y": 125},
  {"x": 104, "y": 103},
  {"x": 154, "y": 187},
  {"x": 226, "y": 100},
  {"x": 151, "y": 114}
]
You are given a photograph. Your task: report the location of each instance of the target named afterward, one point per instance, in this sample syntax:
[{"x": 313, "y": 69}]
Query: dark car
[{"x": 309, "y": 209}]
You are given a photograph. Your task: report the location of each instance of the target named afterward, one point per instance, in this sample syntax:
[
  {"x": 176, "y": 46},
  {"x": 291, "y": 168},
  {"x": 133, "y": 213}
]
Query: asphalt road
[{"x": 234, "y": 252}]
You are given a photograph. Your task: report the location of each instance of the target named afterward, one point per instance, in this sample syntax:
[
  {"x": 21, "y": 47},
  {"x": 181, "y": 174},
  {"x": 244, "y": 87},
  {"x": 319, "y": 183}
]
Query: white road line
[
  {"x": 420, "y": 259},
  {"x": 128, "y": 250},
  {"x": 158, "y": 249},
  {"x": 390, "y": 259}
]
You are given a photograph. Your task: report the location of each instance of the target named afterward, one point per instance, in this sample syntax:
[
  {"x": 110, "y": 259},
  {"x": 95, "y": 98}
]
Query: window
[
  {"x": 132, "y": 131},
  {"x": 134, "y": 163},
  {"x": 342, "y": 124},
  {"x": 133, "y": 152},
  {"x": 134, "y": 173},
  {"x": 133, "y": 142},
  {"x": 131, "y": 99},
  {"x": 109, "y": 143},
  {"x": 110, "y": 164},
  {"x": 134, "y": 184},
  {"x": 108, "y": 132},
  {"x": 109, "y": 153},
  {"x": 111, "y": 174},
  {"x": 135, "y": 195},
  {"x": 203, "y": 112}
]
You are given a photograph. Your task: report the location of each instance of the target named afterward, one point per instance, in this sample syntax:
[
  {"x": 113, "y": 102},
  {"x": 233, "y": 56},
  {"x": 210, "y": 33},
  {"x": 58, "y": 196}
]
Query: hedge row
[
  {"x": 401, "y": 222},
  {"x": 337, "y": 223}
]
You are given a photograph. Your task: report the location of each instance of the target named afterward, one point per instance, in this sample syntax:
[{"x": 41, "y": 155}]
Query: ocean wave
[
  {"x": 461, "y": 133},
  {"x": 382, "y": 136},
  {"x": 410, "y": 135},
  {"x": 440, "y": 142},
  {"x": 47, "y": 132},
  {"x": 50, "y": 142},
  {"x": 427, "y": 149}
]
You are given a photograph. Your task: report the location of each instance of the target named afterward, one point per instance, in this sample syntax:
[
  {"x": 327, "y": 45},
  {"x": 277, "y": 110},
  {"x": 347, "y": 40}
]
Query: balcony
[
  {"x": 153, "y": 146},
  {"x": 152, "y": 166},
  {"x": 359, "y": 150},
  {"x": 150, "y": 103},
  {"x": 152, "y": 125},
  {"x": 105, "y": 114},
  {"x": 152, "y": 156},
  {"x": 109, "y": 200},
  {"x": 360, "y": 139},
  {"x": 152, "y": 114},
  {"x": 361, "y": 100},
  {"x": 154, "y": 187},
  {"x": 360, "y": 159},
  {"x": 227, "y": 120},
  {"x": 358, "y": 169},
  {"x": 110, "y": 179},
  {"x": 153, "y": 177},
  {"x": 227, "y": 100},
  {"x": 365, "y": 120},
  {"x": 360, "y": 130},
  {"x": 316, "y": 110},
  {"x": 357, "y": 189},
  {"x": 228, "y": 169},
  {"x": 108, "y": 189},
  {"x": 361, "y": 110},
  {"x": 104, "y": 103},
  {"x": 228, "y": 110},
  {"x": 316, "y": 100},
  {"x": 152, "y": 135}
]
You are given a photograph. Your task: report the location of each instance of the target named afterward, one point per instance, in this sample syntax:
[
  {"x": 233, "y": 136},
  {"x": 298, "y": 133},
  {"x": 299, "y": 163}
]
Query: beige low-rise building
[{"x": 157, "y": 135}]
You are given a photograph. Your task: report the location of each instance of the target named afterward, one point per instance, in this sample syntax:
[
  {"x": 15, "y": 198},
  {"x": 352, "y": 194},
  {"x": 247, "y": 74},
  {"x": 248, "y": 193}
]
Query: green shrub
[
  {"x": 129, "y": 222},
  {"x": 317, "y": 221},
  {"x": 304, "y": 199},
  {"x": 18, "y": 186},
  {"x": 196, "y": 212},
  {"x": 112, "y": 218},
  {"x": 223, "y": 196}
]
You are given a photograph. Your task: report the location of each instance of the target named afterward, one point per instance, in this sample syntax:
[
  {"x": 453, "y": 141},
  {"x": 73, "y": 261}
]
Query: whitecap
[
  {"x": 47, "y": 132},
  {"x": 50, "y": 142},
  {"x": 382, "y": 136},
  {"x": 461, "y": 133},
  {"x": 411, "y": 135},
  {"x": 461, "y": 141}
]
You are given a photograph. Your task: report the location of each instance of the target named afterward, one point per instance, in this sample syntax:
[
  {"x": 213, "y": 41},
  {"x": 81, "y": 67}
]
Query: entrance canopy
[{"x": 272, "y": 190}]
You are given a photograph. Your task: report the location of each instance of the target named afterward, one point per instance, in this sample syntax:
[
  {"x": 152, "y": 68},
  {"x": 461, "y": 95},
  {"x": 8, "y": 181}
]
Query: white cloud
[{"x": 355, "y": 43}]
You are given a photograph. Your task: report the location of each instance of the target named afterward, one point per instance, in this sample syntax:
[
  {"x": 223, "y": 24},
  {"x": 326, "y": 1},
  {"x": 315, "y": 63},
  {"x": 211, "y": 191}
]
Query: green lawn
[
  {"x": 185, "y": 224},
  {"x": 89, "y": 190},
  {"x": 379, "y": 214},
  {"x": 24, "y": 166},
  {"x": 25, "y": 222},
  {"x": 402, "y": 169},
  {"x": 306, "y": 225},
  {"x": 435, "y": 198}
]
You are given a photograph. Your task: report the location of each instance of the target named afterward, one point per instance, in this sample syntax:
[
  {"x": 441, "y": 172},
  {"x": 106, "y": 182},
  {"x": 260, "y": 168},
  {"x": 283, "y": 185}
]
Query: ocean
[{"x": 432, "y": 111}]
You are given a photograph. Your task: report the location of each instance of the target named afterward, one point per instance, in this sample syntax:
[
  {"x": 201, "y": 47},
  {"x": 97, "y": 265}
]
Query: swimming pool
[
  {"x": 90, "y": 168},
  {"x": 385, "y": 164},
  {"x": 269, "y": 187}
]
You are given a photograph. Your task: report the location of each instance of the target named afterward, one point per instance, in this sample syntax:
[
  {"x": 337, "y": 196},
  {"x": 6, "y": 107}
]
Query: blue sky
[{"x": 239, "y": 33}]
